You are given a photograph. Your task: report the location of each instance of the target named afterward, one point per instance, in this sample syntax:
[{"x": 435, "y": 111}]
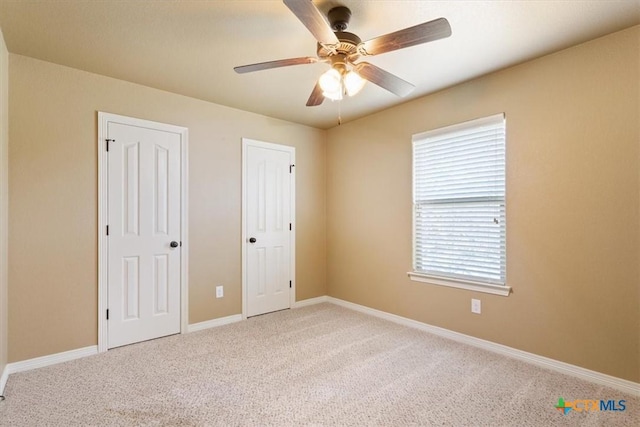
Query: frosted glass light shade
[
  {"x": 331, "y": 81},
  {"x": 353, "y": 83},
  {"x": 335, "y": 84}
]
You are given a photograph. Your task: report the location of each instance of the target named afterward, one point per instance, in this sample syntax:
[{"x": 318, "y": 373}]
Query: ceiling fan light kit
[
  {"x": 341, "y": 79},
  {"x": 335, "y": 84},
  {"x": 341, "y": 49}
]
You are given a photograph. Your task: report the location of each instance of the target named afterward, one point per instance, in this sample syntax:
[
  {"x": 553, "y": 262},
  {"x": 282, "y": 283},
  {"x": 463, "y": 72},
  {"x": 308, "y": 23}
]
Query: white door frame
[
  {"x": 246, "y": 142},
  {"x": 103, "y": 242}
]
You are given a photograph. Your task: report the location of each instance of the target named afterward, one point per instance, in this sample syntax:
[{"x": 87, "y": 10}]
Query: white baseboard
[
  {"x": 311, "y": 301},
  {"x": 4, "y": 378},
  {"x": 238, "y": 317},
  {"x": 554, "y": 365},
  {"x": 52, "y": 359},
  {"x": 214, "y": 323}
]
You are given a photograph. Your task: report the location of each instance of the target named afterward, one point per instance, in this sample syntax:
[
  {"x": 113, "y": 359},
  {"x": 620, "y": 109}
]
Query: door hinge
[
  {"x": 107, "y": 230},
  {"x": 289, "y": 226},
  {"x": 108, "y": 141},
  {"x": 291, "y": 168},
  {"x": 289, "y": 283},
  {"x": 107, "y": 314}
]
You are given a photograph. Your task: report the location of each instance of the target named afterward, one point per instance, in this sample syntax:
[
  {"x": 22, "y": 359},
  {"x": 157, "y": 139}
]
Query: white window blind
[{"x": 459, "y": 201}]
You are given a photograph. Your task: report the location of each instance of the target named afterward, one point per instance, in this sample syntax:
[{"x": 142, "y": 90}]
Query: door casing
[
  {"x": 246, "y": 142},
  {"x": 103, "y": 242}
]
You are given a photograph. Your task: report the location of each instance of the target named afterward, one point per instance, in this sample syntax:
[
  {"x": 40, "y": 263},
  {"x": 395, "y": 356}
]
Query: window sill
[{"x": 461, "y": 284}]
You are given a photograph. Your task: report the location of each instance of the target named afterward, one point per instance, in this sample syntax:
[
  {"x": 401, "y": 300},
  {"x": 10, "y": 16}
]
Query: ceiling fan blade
[
  {"x": 384, "y": 79},
  {"x": 316, "y": 97},
  {"x": 422, "y": 33},
  {"x": 274, "y": 64},
  {"x": 313, "y": 19}
]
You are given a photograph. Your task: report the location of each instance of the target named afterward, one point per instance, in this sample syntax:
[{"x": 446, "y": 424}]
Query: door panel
[
  {"x": 144, "y": 217},
  {"x": 130, "y": 287},
  {"x": 130, "y": 187},
  {"x": 161, "y": 283},
  {"x": 268, "y": 207},
  {"x": 161, "y": 207}
]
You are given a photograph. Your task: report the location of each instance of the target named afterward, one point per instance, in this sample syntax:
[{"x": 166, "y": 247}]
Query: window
[{"x": 459, "y": 206}]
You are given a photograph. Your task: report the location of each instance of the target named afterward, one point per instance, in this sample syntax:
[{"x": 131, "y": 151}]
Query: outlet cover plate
[
  {"x": 219, "y": 291},
  {"x": 476, "y": 306}
]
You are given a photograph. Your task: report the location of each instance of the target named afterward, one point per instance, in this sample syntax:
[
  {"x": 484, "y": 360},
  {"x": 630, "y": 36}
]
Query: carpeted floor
[{"x": 318, "y": 365}]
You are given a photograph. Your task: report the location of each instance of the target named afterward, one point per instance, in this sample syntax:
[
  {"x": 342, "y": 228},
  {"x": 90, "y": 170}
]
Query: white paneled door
[
  {"x": 269, "y": 173},
  {"x": 144, "y": 236}
]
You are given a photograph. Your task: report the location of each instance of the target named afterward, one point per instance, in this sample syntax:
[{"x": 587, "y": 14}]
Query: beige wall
[
  {"x": 572, "y": 207},
  {"x": 4, "y": 199},
  {"x": 53, "y": 200}
]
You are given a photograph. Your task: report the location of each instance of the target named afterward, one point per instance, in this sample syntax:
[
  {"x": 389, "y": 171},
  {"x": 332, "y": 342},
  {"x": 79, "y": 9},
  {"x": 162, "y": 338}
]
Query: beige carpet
[{"x": 318, "y": 365}]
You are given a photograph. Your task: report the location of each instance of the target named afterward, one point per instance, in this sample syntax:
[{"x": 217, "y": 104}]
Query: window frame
[{"x": 489, "y": 286}]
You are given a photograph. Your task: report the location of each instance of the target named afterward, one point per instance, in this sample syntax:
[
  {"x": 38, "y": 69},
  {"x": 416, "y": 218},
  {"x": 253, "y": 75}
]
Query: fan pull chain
[{"x": 339, "y": 112}]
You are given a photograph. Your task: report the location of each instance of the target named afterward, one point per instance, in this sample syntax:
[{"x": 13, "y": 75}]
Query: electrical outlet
[
  {"x": 476, "y": 307},
  {"x": 219, "y": 291}
]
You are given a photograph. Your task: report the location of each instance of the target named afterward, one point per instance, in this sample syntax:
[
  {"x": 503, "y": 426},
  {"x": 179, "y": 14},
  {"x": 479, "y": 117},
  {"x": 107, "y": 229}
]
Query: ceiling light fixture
[
  {"x": 340, "y": 80},
  {"x": 342, "y": 49}
]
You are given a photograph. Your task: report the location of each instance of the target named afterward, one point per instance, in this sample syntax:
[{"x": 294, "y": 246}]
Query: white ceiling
[{"x": 191, "y": 47}]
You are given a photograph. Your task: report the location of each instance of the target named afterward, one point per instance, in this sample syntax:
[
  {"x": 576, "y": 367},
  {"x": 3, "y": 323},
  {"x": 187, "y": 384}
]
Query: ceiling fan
[{"x": 342, "y": 49}]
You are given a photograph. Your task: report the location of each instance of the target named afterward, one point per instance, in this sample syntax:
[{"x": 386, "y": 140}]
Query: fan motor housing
[
  {"x": 339, "y": 18},
  {"x": 348, "y": 45}
]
